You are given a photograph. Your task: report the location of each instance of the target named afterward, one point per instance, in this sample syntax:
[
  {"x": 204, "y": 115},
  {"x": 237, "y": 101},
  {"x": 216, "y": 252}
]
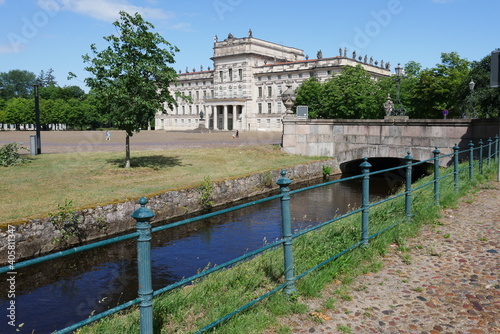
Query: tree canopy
[
  {"x": 130, "y": 78},
  {"x": 351, "y": 94},
  {"x": 16, "y": 83}
]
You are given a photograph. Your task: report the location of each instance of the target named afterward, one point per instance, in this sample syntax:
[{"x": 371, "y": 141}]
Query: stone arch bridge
[{"x": 348, "y": 140}]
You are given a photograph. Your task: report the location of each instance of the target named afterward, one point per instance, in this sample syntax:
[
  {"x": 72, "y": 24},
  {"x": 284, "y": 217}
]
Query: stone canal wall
[{"x": 36, "y": 237}]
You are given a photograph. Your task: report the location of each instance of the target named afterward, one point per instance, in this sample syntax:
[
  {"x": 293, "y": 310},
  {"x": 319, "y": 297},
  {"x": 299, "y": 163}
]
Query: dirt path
[{"x": 451, "y": 285}]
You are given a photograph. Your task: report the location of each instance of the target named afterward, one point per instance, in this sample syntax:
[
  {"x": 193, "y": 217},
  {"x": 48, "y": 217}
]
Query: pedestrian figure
[
  {"x": 237, "y": 133},
  {"x": 108, "y": 135}
]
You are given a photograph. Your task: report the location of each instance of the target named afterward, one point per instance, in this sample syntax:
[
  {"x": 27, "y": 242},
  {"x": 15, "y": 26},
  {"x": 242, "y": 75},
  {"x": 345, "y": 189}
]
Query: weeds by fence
[{"x": 306, "y": 261}]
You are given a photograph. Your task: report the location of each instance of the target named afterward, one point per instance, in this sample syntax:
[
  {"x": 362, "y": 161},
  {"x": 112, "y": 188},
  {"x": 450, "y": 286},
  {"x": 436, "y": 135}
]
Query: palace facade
[{"x": 243, "y": 90}]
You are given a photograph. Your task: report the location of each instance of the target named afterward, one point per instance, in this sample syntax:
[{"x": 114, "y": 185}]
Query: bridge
[{"x": 348, "y": 140}]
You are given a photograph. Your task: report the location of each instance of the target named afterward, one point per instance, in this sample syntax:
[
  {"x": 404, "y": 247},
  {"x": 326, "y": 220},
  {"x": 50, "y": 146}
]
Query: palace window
[
  {"x": 269, "y": 108},
  {"x": 260, "y": 108},
  {"x": 269, "y": 91},
  {"x": 230, "y": 74},
  {"x": 260, "y": 91},
  {"x": 240, "y": 73}
]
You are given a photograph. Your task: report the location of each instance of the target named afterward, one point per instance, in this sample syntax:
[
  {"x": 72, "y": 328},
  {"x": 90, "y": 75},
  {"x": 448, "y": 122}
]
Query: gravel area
[
  {"x": 451, "y": 284},
  {"x": 94, "y": 141}
]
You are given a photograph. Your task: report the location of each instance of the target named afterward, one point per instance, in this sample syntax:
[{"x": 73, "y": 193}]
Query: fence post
[
  {"x": 409, "y": 161},
  {"x": 497, "y": 153},
  {"x": 471, "y": 160},
  {"x": 365, "y": 168},
  {"x": 143, "y": 217},
  {"x": 455, "y": 165},
  {"x": 489, "y": 150},
  {"x": 283, "y": 183},
  {"x": 436, "y": 175},
  {"x": 480, "y": 156},
  {"x": 497, "y": 157}
]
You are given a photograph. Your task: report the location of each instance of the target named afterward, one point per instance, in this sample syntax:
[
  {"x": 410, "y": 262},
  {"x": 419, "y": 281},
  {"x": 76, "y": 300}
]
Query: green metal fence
[{"x": 477, "y": 157}]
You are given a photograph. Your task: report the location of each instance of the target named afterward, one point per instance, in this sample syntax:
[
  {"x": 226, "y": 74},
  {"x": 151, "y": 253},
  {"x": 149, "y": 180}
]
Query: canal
[{"x": 58, "y": 293}]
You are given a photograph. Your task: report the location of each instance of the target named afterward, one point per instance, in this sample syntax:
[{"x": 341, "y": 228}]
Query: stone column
[
  {"x": 235, "y": 117},
  {"x": 224, "y": 126},
  {"x": 216, "y": 111}
]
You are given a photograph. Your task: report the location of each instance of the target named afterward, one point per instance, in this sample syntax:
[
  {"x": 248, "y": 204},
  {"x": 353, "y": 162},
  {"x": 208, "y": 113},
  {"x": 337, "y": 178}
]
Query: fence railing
[{"x": 483, "y": 153}]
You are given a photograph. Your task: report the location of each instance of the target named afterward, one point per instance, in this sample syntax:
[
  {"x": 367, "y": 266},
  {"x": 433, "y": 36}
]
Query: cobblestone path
[{"x": 450, "y": 285}]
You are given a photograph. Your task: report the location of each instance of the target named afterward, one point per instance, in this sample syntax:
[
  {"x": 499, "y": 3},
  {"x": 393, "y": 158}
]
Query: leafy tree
[
  {"x": 351, "y": 94},
  {"x": 130, "y": 77},
  {"x": 72, "y": 92},
  {"x": 441, "y": 88},
  {"x": 16, "y": 83},
  {"x": 67, "y": 92},
  {"x": 309, "y": 94},
  {"x": 486, "y": 100},
  {"x": 47, "y": 79},
  {"x": 19, "y": 111}
]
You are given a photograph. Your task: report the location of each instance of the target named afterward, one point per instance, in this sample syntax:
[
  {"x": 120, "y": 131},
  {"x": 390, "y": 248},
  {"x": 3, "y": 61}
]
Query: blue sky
[{"x": 36, "y": 35}]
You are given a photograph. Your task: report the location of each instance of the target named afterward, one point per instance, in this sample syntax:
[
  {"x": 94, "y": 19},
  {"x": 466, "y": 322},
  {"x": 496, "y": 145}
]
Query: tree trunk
[{"x": 127, "y": 151}]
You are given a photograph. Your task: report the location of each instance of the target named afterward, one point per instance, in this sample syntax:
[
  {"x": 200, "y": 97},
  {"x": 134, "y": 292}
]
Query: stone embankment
[{"x": 36, "y": 237}]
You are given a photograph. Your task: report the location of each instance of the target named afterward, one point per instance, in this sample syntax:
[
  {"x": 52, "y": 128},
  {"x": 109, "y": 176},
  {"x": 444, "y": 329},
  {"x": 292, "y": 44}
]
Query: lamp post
[
  {"x": 471, "y": 102},
  {"x": 37, "y": 121},
  {"x": 399, "y": 109}
]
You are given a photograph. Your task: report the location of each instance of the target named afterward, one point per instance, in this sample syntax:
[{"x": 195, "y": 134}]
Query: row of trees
[
  {"x": 68, "y": 105},
  {"x": 425, "y": 93}
]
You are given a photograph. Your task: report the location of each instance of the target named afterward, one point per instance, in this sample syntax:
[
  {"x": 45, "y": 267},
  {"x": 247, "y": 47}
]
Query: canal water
[{"x": 58, "y": 293}]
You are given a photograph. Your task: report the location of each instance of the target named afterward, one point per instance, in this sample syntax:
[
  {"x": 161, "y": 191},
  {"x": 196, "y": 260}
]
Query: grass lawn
[{"x": 98, "y": 178}]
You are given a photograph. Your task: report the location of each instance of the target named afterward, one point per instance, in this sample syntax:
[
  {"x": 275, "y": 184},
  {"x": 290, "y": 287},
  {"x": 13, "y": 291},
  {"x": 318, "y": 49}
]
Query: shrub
[
  {"x": 327, "y": 170},
  {"x": 9, "y": 155},
  {"x": 206, "y": 193}
]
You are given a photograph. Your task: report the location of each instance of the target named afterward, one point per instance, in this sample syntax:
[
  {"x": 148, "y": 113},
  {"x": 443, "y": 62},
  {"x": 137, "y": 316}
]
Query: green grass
[
  {"x": 188, "y": 309},
  {"x": 91, "y": 179}
]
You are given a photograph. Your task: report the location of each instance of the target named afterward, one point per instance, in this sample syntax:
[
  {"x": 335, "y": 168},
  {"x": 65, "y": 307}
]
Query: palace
[{"x": 243, "y": 90}]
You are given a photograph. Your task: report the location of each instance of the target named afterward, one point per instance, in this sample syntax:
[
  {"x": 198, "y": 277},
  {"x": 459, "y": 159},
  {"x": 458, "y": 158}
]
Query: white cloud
[{"x": 107, "y": 10}]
